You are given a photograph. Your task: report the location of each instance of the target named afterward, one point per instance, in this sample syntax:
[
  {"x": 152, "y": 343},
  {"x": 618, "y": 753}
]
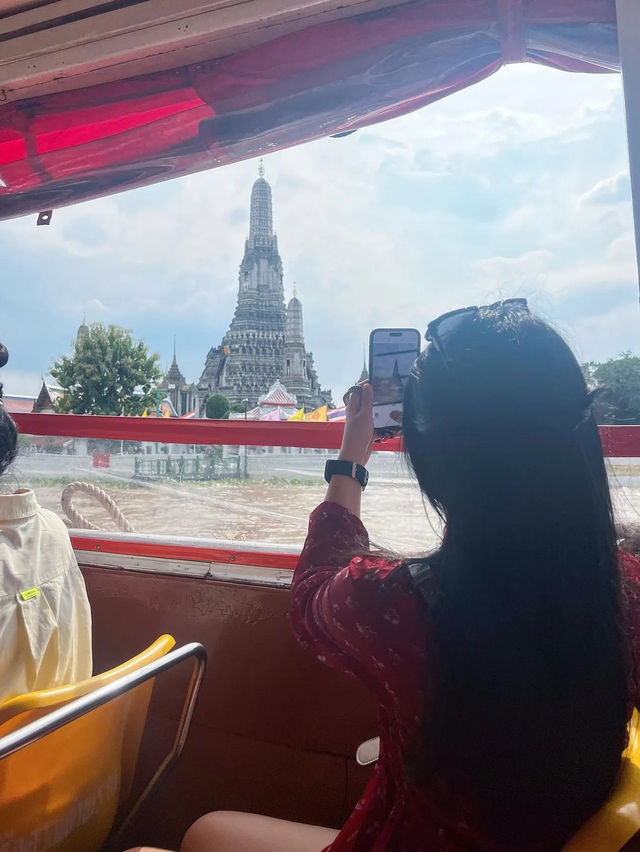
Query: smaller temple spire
[
  {"x": 261, "y": 168},
  {"x": 294, "y": 334},
  {"x": 83, "y": 330},
  {"x": 364, "y": 375},
  {"x": 173, "y": 374},
  {"x": 295, "y": 295}
]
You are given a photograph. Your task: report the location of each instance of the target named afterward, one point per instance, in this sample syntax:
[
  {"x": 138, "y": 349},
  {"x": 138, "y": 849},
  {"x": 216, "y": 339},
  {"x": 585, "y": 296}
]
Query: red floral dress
[{"x": 365, "y": 619}]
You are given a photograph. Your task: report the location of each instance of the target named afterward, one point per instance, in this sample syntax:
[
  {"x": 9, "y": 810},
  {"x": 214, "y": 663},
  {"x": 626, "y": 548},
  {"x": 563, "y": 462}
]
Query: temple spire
[
  {"x": 260, "y": 217},
  {"x": 261, "y": 168},
  {"x": 83, "y": 330},
  {"x": 364, "y": 375},
  {"x": 294, "y": 333}
]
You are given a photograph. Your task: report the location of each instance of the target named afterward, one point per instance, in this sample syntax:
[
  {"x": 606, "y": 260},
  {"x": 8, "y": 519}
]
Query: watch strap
[{"x": 346, "y": 468}]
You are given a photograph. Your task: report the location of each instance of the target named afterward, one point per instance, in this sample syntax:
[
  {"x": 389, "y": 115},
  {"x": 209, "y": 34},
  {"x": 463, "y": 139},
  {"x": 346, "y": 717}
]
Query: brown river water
[
  {"x": 255, "y": 511},
  {"x": 275, "y": 509}
]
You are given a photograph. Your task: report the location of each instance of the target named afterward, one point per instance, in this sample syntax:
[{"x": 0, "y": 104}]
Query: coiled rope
[{"x": 79, "y": 521}]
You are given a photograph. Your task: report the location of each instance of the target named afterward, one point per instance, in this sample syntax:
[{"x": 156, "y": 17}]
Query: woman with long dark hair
[
  {"x": 503, "y": 662},
  {"x": 45, "y": 619}
]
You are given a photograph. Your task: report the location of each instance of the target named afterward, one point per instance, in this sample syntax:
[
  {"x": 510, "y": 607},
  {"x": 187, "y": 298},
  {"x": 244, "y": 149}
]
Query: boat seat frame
[{"x": 47, "y": 724}]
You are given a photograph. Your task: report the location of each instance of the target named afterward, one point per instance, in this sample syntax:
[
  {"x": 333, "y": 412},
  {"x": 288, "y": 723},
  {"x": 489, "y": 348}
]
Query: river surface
[{"x": 272, "y": 505}]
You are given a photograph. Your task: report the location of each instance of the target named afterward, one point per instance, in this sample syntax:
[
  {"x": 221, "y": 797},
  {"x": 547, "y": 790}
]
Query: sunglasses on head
[{"x": 442, "y": 327}]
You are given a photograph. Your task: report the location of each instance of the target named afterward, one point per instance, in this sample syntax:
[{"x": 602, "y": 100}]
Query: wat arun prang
[{"x": 265, "y": 341}]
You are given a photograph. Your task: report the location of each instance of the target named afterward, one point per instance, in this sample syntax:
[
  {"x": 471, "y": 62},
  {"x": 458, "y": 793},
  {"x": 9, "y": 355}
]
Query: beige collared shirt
[{"x": 45, "y": 619}]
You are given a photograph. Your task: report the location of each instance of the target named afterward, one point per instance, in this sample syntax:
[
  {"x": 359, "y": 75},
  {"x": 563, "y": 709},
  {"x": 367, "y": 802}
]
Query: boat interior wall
[
  {"x": 333, "y": 75},
  {"x": 274, "y": 731}
]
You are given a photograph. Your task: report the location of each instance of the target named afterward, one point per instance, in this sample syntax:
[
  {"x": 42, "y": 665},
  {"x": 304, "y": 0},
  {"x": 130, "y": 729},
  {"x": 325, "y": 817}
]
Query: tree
[
  {"x": 217, "y": 407},
  {"x": 618, "y": 383},
  {"x": 108, "y": 373}
]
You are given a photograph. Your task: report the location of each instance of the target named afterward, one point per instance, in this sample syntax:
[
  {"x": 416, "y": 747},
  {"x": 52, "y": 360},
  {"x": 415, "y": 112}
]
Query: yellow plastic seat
[
  {"x": 618, "y": 819},
  {"x": 45, "y": 699},
  {"x": 68, "y": 754}
]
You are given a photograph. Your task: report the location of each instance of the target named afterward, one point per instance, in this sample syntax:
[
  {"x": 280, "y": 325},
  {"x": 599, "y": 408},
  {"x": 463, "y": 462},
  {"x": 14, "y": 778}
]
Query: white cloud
[
  {"x": 95, "y": 308},
  {"x": 505, "y": 271},
  {"x": 611, "y": 190}
]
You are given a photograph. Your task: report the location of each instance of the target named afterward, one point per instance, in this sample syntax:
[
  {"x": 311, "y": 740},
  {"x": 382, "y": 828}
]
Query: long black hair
[{"x": 529, "y": 707}]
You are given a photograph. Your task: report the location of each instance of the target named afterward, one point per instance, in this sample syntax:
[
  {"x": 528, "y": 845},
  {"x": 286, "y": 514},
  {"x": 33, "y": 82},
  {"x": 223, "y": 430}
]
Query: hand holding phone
[
  {"x": 392, "y": 353},
  {"x": 358, "y": 431}
]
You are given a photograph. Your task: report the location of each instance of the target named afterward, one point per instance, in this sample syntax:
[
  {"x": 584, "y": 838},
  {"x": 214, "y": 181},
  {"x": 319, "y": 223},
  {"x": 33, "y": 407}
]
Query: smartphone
[{"x": 392, "y": 352}]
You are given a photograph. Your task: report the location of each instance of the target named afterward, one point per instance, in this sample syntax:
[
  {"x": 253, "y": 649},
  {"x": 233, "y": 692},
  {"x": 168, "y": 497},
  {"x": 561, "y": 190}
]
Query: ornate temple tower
[
  {"x": 295, "y": 376},
  {"x": 249, "y": 358},
  {"x": 265, "y": 341}
]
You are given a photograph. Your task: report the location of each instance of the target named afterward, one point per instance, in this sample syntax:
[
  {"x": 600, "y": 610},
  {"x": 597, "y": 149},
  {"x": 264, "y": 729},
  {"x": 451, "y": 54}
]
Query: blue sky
[{"x": 517, "y": 186}]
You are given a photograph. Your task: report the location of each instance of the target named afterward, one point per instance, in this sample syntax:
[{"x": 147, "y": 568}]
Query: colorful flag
[
  {"x": 337, "y": 414},
  {"x": 299, "y": 415},
  {"x": 318, "y": 414}
]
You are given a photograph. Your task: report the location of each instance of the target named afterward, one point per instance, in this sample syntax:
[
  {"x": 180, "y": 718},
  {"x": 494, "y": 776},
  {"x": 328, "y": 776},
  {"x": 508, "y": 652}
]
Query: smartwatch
[{"x": 346, "y": 468}]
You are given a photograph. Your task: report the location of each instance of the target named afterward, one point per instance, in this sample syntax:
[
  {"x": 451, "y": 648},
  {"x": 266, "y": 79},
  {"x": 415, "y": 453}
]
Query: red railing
[
  {"x": 251, "y": 433},
  {"x": 617, "y": 441}
]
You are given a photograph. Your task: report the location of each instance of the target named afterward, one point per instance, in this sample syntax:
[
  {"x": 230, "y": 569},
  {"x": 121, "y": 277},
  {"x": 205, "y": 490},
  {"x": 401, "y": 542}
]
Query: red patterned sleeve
[
  {"x": 630, "y": 570},
  {"x": 354, "y": 613}
]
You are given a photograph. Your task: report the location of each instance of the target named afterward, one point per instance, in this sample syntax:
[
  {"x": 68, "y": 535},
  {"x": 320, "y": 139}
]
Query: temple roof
[
  {"x": 47, "y": 396},
  {"x": 278, "y": 395},
  {"x": 173, "y": 374}
]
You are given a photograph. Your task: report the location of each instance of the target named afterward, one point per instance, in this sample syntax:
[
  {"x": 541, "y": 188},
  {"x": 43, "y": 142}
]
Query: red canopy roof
[{"x": 328, "y": 79}]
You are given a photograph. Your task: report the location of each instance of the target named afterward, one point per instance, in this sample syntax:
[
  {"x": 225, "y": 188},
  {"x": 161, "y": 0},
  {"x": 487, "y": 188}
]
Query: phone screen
[{"x": 392, "y": 352}]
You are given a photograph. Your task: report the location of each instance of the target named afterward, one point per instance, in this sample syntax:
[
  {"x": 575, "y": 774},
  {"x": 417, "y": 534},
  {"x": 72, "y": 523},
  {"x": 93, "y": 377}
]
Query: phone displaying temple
[{"x": 392, "y": 352}]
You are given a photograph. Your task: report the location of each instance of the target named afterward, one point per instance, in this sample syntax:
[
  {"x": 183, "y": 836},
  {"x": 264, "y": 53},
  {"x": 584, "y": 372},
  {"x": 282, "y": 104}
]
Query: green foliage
[
  {"x": 108, "y": 373},
  {"x": 238, "y": 408},
  {"x": 618, "y": 384},
  {"x": 217, "y": 407}
]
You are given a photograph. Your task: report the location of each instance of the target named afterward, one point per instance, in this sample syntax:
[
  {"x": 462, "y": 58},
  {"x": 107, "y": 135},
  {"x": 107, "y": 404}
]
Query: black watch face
[{"x": 365, "y": 477}]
